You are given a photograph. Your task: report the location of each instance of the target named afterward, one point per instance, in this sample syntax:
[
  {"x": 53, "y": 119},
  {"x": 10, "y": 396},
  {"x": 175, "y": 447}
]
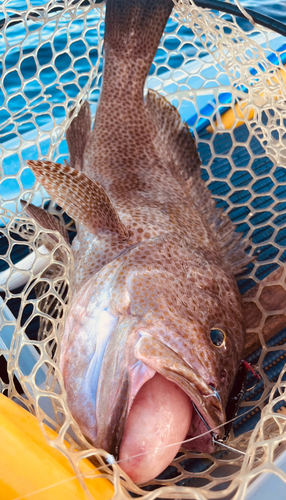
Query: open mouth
[{"x": 162, "y": 418}]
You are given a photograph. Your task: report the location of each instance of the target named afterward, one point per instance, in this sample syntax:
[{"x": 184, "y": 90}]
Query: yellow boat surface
[
  {"x": 235, "y": 117},
  {"x": 30, "y": 468}
]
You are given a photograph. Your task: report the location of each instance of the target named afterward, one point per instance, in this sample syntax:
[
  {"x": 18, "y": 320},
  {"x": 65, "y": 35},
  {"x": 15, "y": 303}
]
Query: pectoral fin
[{"x": 83, "y": 199}]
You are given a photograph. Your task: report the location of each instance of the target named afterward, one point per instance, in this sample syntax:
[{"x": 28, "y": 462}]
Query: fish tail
[{"x": 133, "y": 29}]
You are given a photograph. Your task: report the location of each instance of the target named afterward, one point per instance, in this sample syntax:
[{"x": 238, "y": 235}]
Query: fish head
[
  {"x": 191, "y": 328},
  {"x": 144, "y": 313}
]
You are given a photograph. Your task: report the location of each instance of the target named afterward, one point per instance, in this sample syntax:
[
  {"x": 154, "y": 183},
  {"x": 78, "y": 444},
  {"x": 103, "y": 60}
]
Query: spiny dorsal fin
[
  {"x": 45, "y": 219},
  {"x": 83, "y": 199},
  {"x": 186, "y": 163},
  {"x": 77, "y": 136},
  {"x": 174, "y": 134},
  {"x": 231, "y": 243}
]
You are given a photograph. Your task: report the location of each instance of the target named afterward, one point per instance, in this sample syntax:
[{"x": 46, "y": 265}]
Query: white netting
[{"x": 50, "y": 61}]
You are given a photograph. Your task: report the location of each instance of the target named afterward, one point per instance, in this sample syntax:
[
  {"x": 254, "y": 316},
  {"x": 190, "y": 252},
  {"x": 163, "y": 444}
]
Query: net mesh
[{"x": 207, "y": 62}]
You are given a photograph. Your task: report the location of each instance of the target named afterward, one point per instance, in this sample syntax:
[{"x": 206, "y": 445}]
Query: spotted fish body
[{"x": 154, "y": 259}]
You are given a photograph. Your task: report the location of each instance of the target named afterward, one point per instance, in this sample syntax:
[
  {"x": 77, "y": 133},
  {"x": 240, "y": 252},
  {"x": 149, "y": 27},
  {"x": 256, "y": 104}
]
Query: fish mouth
[
  {"x": 209, "y": 415},
  {"x": 208, "y": 418}
]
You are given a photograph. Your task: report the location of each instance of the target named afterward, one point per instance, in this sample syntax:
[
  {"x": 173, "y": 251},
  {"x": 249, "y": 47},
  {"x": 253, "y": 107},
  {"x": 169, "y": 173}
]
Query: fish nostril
[
  {"x": 218, "y": 337},
  {"x": 223, "y": 374}
]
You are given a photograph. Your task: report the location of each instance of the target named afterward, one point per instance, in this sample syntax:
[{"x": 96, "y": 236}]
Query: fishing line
[
  {"x": 111, "y": 460},
  {"x": 27, "y": 495},
  {"x": 220, "y": 443}
]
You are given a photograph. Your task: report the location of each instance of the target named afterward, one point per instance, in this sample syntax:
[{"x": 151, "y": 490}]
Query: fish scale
[{"x": 155, "y": 262}]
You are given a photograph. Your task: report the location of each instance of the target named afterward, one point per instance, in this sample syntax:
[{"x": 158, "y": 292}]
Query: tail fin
[{"x": 133, "y": 29}]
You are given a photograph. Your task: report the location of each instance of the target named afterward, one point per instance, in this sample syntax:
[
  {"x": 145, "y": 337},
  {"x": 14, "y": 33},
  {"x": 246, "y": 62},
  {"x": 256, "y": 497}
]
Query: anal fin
[{"x": 83, "y": 199}]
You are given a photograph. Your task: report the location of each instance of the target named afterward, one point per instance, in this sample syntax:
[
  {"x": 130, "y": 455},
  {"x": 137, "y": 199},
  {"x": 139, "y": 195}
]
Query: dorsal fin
[
  {"x": 231, "y": 243},
  {"x": 185, "y": 164},
  {"x": 83, "y": 199},
  {"x": 174, "y": 134},
  {"x": 45, "y": 219}
]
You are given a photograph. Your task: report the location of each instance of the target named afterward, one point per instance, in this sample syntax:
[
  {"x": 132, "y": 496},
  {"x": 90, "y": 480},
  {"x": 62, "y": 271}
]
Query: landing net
[{"x": 208, "y": 62}]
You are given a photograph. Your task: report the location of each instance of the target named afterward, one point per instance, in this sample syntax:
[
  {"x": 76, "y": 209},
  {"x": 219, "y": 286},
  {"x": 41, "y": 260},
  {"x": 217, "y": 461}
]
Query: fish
[{"x": 155, "y": 332}]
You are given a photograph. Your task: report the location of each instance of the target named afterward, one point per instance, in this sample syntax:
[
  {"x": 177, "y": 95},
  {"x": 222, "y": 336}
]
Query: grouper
[{"x": 155, "y": 331}]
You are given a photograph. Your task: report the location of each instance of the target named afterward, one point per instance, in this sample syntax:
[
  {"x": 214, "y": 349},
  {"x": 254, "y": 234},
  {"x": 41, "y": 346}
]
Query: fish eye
[{"x": 217, "y": 337}]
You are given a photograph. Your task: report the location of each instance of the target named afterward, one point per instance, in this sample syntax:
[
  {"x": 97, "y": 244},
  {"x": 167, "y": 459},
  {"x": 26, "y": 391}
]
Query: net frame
[{"x": 239, "y": 60}]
